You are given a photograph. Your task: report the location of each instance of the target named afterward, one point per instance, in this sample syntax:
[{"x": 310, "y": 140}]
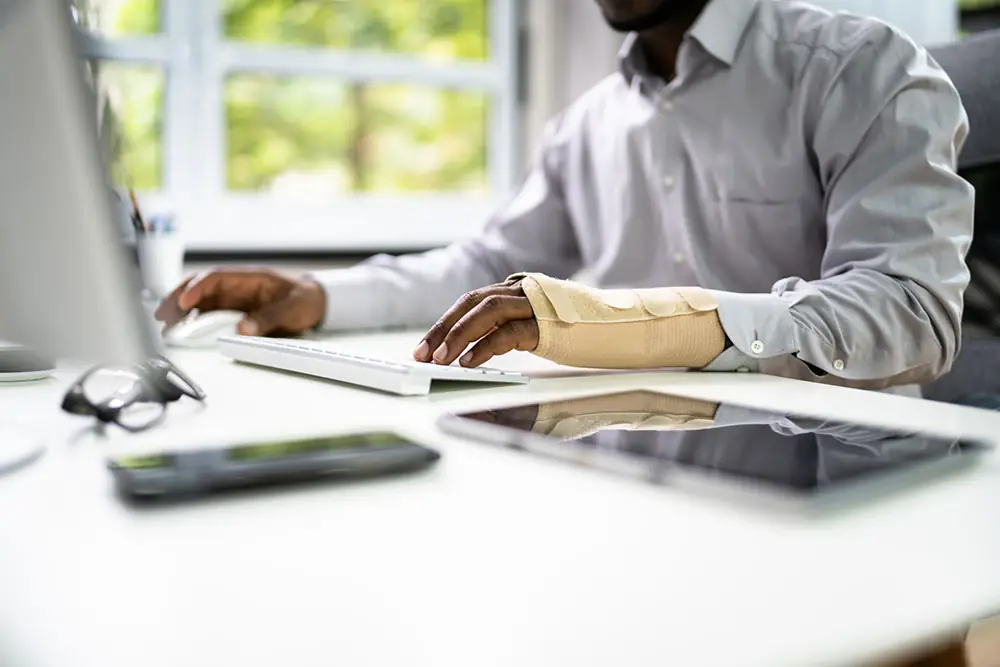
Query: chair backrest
[{"x": 974, "y": 66}]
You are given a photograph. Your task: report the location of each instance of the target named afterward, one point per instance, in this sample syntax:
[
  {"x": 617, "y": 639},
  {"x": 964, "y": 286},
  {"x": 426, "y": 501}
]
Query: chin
[
  {"x": 637, "y": 15},
  {"x": 624, "y": 10}
]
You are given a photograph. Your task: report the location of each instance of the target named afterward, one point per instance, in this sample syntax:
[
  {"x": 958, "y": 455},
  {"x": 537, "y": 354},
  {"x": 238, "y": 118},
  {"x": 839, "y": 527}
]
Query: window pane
[
  {"x": 131, "y": 113},
  {"x": 119, "y": 18},
  {"x": 436, "y": 29},
  {"x": 426, "y": 139},
  {"x": 312, "y": 138}
]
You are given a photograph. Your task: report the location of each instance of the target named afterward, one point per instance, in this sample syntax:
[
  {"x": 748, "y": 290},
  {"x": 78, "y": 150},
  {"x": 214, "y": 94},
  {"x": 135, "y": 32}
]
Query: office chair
[{"x": 974, "y": 66}]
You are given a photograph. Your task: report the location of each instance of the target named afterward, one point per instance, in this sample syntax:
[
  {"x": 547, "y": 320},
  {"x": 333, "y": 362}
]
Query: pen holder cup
[{"x": 161, "y": 262}]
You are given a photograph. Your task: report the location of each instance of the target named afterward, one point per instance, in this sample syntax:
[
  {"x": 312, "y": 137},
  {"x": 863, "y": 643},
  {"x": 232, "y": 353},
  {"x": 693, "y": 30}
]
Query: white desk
[{"x": 492, "y": 558}]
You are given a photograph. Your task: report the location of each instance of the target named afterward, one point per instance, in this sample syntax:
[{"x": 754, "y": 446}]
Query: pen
[
  {"x": 161, "y": 224},
  {"x": 137, "y": 221},
  {"x": 136, "y": 225}
]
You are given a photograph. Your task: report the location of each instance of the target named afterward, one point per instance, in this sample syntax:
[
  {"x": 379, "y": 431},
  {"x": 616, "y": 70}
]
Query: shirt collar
[{"x": 718, "y": 29}]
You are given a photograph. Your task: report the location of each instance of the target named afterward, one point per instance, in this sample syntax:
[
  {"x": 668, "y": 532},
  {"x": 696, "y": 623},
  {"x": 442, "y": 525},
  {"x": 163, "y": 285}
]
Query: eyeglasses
[{"x": 132, "y": 397}]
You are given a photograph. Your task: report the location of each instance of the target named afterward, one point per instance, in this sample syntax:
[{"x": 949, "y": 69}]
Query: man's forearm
[
  {"x": 669, "y": 327},
  {"x": 862, "y": 328},
  {"x": 406, "y": 291},
  {"x": 533, "y": 232}
]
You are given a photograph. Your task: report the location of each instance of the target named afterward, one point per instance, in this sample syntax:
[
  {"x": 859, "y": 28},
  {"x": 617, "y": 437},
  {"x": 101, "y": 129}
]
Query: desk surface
[{"x": 492, "y": 558}]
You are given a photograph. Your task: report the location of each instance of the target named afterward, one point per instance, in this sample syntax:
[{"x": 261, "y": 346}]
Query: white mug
[{"x": 161, "y": 262}]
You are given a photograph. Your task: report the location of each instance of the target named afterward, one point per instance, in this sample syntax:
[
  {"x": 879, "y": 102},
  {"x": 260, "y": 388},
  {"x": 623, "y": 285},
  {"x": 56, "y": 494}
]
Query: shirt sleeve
[
  {"x": 888, "y": 305},
  {"x": 533, "y": 232}
]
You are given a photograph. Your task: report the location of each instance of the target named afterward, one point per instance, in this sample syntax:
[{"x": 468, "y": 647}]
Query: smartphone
[{"x": 191, "y": 474}]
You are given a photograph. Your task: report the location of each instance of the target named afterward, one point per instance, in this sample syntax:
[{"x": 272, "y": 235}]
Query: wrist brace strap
[{"x": 669, "y": 327}]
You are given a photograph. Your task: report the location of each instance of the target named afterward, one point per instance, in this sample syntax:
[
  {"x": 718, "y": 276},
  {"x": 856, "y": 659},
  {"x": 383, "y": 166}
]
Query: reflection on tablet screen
[{"x": 655, "y": 435}]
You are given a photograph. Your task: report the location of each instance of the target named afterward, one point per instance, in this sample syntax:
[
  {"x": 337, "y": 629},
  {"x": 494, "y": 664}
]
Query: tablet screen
[{"x": 653, "y": 435}]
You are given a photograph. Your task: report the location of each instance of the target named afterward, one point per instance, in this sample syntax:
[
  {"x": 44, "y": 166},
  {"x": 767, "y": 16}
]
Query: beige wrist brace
[
  {"x": 636, "y": 411},
  {"x": 669, "y": 327}
]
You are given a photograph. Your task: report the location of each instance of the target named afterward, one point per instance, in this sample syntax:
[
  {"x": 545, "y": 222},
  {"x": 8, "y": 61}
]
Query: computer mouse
[
  {"x": 19, "y": 364},
  {"x": 204, "y": 329}
]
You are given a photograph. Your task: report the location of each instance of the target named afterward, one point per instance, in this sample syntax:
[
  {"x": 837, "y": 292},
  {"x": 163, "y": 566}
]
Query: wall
[{"x": 572, "y": 48}]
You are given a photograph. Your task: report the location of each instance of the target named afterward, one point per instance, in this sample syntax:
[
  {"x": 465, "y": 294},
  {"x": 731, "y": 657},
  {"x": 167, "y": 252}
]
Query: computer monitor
[{"x": 67, "y": 289}]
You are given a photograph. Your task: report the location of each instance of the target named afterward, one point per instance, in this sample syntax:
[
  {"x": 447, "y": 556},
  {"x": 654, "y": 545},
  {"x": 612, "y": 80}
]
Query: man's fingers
[
  {"x": 516, "y": 335},
  {"x": 492, "y": 312},
  {"x": 435, "y": 336},
  {"x": 269, "y": 319},
  {"x": 201, "y": 287},
  {"x": 169, "y": 311}
]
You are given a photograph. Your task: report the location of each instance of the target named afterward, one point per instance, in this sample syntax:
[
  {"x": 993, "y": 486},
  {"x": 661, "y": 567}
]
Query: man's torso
[{"x": 710, "y": 180}]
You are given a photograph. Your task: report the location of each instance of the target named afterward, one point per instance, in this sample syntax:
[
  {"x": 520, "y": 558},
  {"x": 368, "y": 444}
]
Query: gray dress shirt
[{"x": 800, "y": 164}]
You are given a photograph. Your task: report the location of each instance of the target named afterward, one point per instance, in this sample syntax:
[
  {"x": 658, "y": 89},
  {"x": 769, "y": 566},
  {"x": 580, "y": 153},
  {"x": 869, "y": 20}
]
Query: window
[{"x": 310, "y": 124}]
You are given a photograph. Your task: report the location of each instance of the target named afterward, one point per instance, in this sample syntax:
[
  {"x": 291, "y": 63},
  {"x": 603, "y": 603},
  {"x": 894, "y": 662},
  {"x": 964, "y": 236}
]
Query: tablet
[{"x": 723, "y": 448}]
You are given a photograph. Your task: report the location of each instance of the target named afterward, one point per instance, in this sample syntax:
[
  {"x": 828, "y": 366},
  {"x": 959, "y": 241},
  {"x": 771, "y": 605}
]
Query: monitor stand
[{"x": 17, "y": 450}]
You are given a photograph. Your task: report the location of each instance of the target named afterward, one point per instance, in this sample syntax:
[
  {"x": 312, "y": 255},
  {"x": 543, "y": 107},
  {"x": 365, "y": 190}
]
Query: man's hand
[
  {"x": 275, "y": 304},
  {"x": 499, "y": 317}
]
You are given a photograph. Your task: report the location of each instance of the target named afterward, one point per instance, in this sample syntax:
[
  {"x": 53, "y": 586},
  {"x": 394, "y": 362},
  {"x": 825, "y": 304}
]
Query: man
[{"x": 770, "y": 188}]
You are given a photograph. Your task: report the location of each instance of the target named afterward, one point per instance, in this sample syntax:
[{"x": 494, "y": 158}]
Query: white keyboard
[{"x": 406, "y": 379}]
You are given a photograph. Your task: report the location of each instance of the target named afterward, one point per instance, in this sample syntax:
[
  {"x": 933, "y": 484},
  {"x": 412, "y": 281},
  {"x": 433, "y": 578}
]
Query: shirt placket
[{"x": 666, "y": 100}]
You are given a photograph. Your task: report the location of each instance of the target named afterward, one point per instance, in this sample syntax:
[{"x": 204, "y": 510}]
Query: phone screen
[{"x": 205, "y": 471}]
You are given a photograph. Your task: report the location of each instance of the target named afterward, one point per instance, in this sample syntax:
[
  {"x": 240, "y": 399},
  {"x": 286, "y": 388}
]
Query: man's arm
[
  {"x": 533, "y": 231},
  {"x": 886, "y": 132},
  {"x": 888, "y": 306}
]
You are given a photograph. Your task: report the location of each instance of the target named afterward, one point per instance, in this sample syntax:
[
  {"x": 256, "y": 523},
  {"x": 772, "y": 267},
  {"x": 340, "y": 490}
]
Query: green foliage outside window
[
  {"x": 977, "y": 4},
  {"x": 308, "y": 134}
]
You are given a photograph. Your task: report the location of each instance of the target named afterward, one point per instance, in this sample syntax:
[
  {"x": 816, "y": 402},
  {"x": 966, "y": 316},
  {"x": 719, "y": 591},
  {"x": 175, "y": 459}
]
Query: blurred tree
[
  {"x": 131, "y": 116},
  {"x": 977, "y": 4},
  {"x": 129, "y": 97},
  {"x": 361, "y": 136},
  {"x": 311, "y": 134},
  {"x": 116, "y": 18}
]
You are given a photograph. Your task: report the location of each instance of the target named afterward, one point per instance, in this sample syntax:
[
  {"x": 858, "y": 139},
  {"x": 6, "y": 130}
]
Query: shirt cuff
[
  {"x": 760, "y": 327},
  {"x": 349, "y": 300}
]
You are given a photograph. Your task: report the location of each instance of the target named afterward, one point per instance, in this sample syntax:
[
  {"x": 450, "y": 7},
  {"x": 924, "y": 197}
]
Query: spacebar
[{"x": 451, "y": 372}]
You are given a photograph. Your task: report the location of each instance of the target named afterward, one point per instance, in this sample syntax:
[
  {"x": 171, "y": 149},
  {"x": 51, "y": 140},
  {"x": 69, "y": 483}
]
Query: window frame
[{"x": 196, "y": 58}]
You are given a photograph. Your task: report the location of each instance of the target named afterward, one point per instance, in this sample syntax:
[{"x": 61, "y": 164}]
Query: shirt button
[
  {"x": 756, "y": 347},
  {"x": 838, "y": 364},
  {"x": 667, "y": 105},
  {"x": 668, "y": 181},
  {"x": 679, "y": 257}
]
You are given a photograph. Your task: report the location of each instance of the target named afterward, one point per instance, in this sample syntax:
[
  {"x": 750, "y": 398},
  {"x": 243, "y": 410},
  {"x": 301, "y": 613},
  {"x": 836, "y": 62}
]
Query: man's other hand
[
  {"x": 499, "y": 317},
  {"x": 274, "y": 304}
]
